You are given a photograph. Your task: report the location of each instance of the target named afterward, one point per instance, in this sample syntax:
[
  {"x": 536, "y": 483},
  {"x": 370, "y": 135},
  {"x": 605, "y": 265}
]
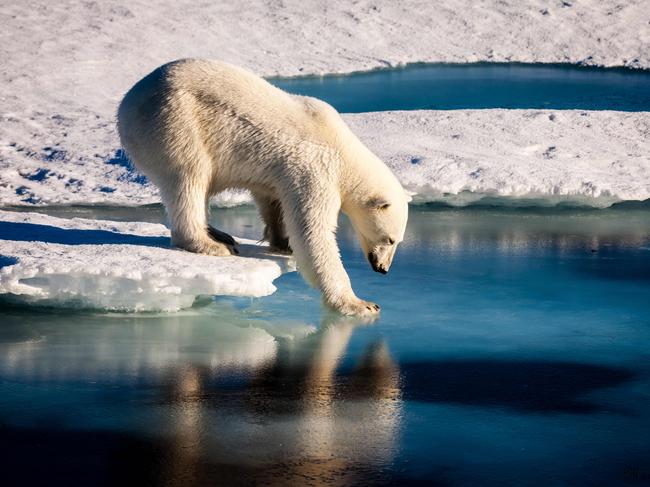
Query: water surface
[
  {"x": 511, "y": 350},
  {"x": 480, "y": 85}
]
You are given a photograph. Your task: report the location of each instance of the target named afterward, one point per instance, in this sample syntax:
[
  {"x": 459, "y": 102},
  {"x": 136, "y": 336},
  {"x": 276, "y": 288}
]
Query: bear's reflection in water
[
  {"x": 233, "y": 403},
  {"x": 296, "y": 420}
]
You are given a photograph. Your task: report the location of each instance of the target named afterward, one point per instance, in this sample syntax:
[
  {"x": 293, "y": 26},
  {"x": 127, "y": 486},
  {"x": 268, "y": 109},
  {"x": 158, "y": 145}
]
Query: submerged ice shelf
[{"x": 120, "y": 265}]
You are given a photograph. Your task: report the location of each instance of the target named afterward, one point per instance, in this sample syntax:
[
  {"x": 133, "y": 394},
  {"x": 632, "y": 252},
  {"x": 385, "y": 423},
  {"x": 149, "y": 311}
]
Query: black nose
[{"x": 372, "y": 258}]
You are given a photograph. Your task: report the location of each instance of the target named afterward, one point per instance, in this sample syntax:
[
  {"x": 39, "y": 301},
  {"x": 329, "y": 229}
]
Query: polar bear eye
[
  {"x": 391, "y": 241},
  {"x": 377, "y": 203}
]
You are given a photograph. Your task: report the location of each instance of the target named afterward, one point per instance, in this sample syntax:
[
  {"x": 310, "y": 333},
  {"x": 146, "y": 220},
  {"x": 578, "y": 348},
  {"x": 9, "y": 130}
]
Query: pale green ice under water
[{"x": 512, "y": 349}]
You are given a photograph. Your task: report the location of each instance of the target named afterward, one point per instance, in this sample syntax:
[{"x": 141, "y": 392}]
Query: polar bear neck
[{"x": 362, "y": 175}]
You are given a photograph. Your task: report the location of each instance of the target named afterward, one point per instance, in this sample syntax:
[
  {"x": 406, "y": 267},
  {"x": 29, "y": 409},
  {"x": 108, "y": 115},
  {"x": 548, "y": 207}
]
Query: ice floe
[
  {"x": 531, "y": 157},
  {"x": 59, "y": 93},
  {"x": 120, "y": 265}
]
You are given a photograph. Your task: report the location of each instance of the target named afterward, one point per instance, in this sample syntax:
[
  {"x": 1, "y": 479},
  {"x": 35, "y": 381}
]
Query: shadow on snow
[{"x": 31, "y": 232}]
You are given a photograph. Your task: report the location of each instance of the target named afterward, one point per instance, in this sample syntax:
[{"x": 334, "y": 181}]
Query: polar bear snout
[
  {"x": 376, "y": 266},
  {"x": 381, "y": 258}
]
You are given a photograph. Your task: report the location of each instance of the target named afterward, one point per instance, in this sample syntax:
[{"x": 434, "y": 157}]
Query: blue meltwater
[{"x": 512, "y": 349}]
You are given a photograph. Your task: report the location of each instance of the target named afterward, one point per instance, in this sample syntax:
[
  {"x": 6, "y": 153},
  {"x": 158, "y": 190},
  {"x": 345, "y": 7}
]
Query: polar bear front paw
[{"x": 358, "y": 307}]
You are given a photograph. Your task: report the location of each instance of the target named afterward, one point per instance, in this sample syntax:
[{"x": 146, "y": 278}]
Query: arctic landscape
[
  {"x": 511, "y": 344},
  {"x": 60, "y": 89}
]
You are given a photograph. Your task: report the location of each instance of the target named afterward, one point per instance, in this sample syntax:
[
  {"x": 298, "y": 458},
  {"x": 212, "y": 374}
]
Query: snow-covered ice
[
  {"x": 460, "y": 156},
  {"x": 120, "y": 265},
  {"x": 546, "y": 157},
  {"x": 66, "y": 64}
]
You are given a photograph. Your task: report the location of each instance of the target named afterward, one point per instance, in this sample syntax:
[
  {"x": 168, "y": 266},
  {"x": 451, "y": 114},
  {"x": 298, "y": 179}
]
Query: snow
[
  {"x": 120, "y": 266},
  {"x": 592, "y": 158},
  {"x": 68, "y": 63}
]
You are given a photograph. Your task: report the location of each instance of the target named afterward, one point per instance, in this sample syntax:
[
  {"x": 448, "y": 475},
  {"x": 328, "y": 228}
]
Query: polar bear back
[
  {"x": 192, "y": 110},
  {"x": 200, "y": 88}
]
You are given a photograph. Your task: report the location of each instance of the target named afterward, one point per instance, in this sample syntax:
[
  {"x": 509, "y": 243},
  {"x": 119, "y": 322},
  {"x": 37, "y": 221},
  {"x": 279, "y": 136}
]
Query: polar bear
[{"x": 198, "y": 127}]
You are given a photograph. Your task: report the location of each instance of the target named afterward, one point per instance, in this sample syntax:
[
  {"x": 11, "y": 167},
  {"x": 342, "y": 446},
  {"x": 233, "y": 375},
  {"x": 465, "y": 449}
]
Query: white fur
[{"x": 196, "y": 128}]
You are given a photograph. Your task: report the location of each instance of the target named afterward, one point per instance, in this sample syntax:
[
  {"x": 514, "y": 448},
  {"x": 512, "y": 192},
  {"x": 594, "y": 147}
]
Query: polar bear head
[{"x": 379, "y": 222}]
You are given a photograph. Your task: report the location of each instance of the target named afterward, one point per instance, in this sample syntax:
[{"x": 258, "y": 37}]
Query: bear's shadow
[{"x": 32, "y": 232}]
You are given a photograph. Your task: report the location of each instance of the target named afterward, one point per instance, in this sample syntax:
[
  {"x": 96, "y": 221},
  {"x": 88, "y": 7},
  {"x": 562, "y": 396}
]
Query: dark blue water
[
  {"x": 512, "y": 349},
  {"x": 449, "y": 86}
]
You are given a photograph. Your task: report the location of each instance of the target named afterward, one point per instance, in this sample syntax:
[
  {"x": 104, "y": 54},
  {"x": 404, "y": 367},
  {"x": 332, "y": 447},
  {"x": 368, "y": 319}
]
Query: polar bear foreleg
[{"x": 312, "y": 236}]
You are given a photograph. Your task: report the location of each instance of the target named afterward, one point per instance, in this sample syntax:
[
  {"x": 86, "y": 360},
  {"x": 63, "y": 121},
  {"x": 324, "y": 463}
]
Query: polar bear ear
[{"x": 378, "y": 203}]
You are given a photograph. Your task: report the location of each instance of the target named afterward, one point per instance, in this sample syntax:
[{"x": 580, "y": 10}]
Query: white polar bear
[{"x": 198, "y": 127}]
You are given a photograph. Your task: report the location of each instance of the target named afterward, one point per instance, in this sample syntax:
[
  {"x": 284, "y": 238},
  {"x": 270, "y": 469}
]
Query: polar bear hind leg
[
  {"x": 187, "y": 213},
  {"x": 274, "y": 231}
]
